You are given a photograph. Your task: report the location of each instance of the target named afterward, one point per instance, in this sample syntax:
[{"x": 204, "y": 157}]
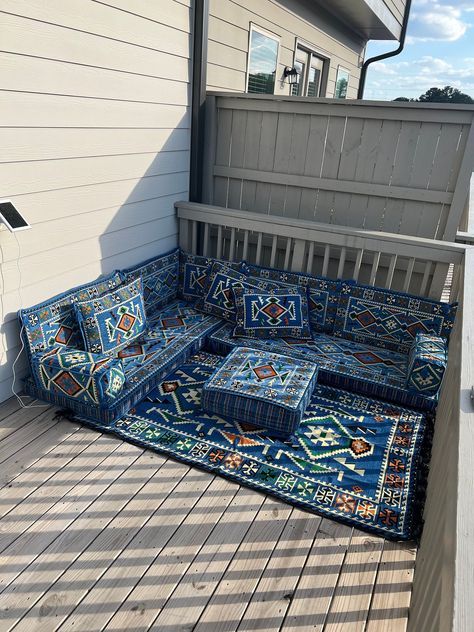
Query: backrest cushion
[
  {"x": 218, "y": 296},
  {"x": 113, "y": 320},
  {"x": 193, "y": 274},
  {"x": 323, "y": 294},
  {"x": 160, "y": 278},
  {"x": 53, "y": 323},
  {"x": 389, "y": 319}
]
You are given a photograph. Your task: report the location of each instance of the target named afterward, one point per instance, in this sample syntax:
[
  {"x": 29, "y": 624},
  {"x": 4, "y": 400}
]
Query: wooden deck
[{"x": 97, "y": 534}]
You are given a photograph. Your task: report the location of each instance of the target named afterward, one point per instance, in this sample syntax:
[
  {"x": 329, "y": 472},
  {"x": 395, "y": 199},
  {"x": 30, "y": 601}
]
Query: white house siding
[
  {"x": 229, "y": 25},
  {"x": 94, "y": 129}
]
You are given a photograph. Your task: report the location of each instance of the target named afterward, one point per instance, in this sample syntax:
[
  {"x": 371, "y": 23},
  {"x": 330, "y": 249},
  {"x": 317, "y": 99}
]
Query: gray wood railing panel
[{"x": 392, "y": 167}]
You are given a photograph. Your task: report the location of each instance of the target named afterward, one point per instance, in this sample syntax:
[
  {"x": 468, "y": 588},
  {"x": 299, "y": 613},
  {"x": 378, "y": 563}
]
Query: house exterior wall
[
  {"x": 95, "y": 143},
  {"x": 289, "y": 20}
]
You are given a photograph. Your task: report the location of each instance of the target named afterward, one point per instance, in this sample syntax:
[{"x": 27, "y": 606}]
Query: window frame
[
  {"x": 313, "y": 50},
  {"x": 277, "y": 38},
  {"x": 343, "y": 69}
]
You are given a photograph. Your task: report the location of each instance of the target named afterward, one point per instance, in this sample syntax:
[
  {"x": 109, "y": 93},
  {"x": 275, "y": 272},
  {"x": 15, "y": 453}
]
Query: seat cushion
[
  {"x": 172, "y": 331},
  {"x": 353, "y": 366}
]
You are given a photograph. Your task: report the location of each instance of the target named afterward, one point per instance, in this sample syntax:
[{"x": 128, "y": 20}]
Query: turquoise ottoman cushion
[{"x": 261, "y": 388}]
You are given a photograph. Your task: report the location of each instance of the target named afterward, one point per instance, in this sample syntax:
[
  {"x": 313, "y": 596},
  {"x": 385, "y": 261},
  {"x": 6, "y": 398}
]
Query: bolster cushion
[
  {"x": 80, "y": 375},
  {"x": 427, "y": 364}
]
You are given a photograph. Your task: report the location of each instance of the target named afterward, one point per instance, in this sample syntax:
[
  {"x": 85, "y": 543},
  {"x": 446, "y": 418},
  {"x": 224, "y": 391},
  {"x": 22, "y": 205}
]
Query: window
[
  {"x": 262, "y": 63},
  {"x": 342, "y": 80},
  {"x": 311, "y": 69}
]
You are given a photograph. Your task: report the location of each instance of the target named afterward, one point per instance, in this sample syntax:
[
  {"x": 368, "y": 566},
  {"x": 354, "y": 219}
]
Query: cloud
[
  {"x": 432, "y": 21},
  {"x": 388, "y": 80}
]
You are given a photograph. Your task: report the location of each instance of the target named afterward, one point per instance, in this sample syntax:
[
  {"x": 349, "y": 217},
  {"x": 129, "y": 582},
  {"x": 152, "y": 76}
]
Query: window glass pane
[
  {"x": 341, "y": 84},
  {"x": 262, "y": 63},
  {"x": 313, "y": 82}
]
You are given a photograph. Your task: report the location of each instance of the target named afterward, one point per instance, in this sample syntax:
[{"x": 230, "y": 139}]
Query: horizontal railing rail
[{"x": 399, "y": 262}]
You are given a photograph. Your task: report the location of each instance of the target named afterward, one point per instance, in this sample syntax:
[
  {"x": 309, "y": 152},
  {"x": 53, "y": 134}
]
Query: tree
[
  {"x": 448, "y": 94},
  {"x": 402, "y": 99}
]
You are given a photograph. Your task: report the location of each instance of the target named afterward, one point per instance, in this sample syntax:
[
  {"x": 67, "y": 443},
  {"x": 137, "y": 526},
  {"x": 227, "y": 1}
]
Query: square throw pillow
[
  {"x": 276, "y": 314},
  {"x": 390, "y": 319},
  {"x": 218, "y": 297},
  {"x": 323, "y": 293},
  {"x": 193, "y": 274},
  {"x": 111, "y": 321}
]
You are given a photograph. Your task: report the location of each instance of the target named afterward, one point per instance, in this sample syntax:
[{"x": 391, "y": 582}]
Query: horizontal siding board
[
  {"x": 23, "y": 144},
  {"x": 167, "y": 12},
  {"x": 48, "y": 206},
  {"x": 106, "y": 22},
  {"x": 88, "y": 49},
  {"x": 30, "y": 74},
  {"x": 19, "y": 178},
  {"x": 55, "y": 110}
]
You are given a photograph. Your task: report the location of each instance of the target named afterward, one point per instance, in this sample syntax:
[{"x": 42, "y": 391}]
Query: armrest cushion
[
  {"x": 88, "y": 377},
  {"x": 426, "y": 364}
]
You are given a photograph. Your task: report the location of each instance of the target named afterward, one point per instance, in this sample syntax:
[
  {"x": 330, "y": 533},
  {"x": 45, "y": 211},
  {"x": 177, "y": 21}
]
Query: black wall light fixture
[{"x": 291, "y": 75}]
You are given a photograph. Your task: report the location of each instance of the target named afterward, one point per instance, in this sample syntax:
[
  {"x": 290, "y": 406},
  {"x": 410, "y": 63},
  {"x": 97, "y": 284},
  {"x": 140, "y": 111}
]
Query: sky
[{"x": 439, "y": 51}]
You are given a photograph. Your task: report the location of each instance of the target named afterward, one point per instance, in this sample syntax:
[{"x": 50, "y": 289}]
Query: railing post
[{"x": 210, "y": 139}]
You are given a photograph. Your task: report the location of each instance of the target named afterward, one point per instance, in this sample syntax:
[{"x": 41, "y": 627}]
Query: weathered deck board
[{"x": 96, "y": 534}]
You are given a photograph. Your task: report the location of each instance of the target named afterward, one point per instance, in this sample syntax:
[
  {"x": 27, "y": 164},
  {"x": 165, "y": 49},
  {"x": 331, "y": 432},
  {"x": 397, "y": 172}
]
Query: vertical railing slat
[
  {"x": 342, "y": 261},
  {"x": 298, "y": 255},
  {"x": 358, "y": 262},
  {"x": 205, "y": 245},
  {"x": 375, "y": 267},
  {"x": 309, "y": 263},
  {"x": 327, "y": 253},
  {"x": 287, "y": 253},
  {"x": 232, "y": 245},
  {"x": 194, "y": 230},
  {"x": 219, "y": 242},
  {"x": 258, "y": 254},
  {"x": 426, "y": 276},
  {"x": 391, "y": 270},
  {"x": 274, "y": 251},
  {"x": 246, "y": 245},
  {"x": 408, "y": 274}
]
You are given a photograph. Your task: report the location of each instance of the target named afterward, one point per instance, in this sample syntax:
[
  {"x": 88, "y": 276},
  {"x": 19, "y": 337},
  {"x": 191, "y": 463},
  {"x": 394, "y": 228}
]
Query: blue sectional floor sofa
[{"x": 100, "y": 348}]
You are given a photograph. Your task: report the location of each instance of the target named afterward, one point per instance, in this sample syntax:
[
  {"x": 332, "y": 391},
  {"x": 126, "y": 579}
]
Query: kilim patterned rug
[{"x": 353, "y": 459}]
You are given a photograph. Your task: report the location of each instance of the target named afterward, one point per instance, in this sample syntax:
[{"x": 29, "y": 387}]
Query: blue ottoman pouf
[{"x": 267, "y": 390}]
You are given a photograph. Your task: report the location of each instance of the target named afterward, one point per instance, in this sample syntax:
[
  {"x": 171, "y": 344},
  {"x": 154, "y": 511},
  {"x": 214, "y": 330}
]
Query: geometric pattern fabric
[
  {"x": 83, "y": 376},
  {"x": 53, "y": 323},
  {"x": 160, "y": 279},
  {"x": 389, "y": 319},
  {"x": 427, "y": 364},
  {"x": 323, "y": 294},
  {"x": 260, "y": 387},
  {"x": 353, "y": 459},
  {"x": 281, "y": 313},
  {"x": 113, "y": 320}
]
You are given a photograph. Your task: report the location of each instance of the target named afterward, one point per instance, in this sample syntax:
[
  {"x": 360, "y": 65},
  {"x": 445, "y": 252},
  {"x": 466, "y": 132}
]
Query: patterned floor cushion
[
  {"x": 176, "y": 333},
  {"x": 261, "y": 388},
  {"x": 343, "y": 363}
]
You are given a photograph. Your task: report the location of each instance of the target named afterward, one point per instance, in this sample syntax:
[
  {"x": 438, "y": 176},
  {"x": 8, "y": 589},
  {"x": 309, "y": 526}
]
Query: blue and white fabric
[
  {"x": 356, "y": 367},
  {"x": 261, "y": 388},
  {"x": 177, "y": 332},
  {"x": 82, "y": 376},
  {"x": 275, "y": 314},
  {"x": 323, "y": 294},
  {"x": 427, "y": 364},
  {"x": 218, "y": 296},
  {"x": 53, "y": 323},
  {"x": 389, "y": 319},
  {"x": 193, "y": 273},
  {"x": 160, "y": 280},
  {"x": 113, "y": 320}
]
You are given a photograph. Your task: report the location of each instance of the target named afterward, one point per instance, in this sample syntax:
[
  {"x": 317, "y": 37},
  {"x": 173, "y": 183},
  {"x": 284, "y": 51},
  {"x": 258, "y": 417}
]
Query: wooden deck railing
[
  {"x": 398, "y": 262},
  {"x": 395, "y": 167},
  {"x": 444, "y": 580}
]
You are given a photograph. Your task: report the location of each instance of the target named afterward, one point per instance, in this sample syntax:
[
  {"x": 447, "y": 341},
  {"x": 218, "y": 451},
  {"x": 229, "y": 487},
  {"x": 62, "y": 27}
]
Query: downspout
[
  {"x": 392, "y": 53},
  {"x": 198, "y": 96}
]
